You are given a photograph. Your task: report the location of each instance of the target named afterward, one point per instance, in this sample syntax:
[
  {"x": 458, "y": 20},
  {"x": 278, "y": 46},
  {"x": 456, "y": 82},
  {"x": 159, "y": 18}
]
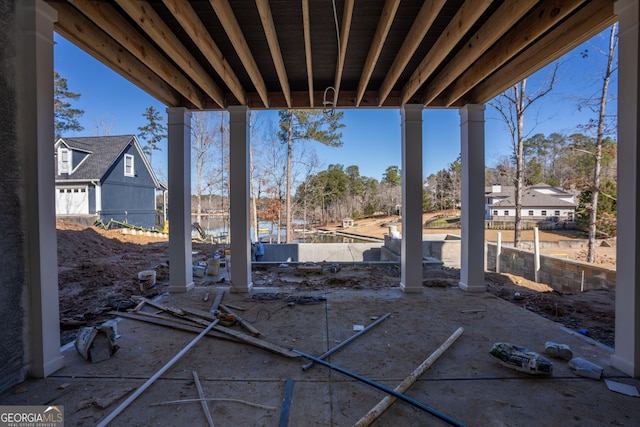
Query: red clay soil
[{"x": 98, "y": 273}]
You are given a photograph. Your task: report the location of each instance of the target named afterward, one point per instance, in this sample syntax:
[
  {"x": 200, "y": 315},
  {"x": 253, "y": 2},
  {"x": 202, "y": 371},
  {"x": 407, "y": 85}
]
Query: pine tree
[{"x": 65, "y": 117}]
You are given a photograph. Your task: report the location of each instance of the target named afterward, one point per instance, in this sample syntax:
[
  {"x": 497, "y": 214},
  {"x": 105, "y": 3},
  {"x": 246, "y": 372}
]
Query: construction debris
[{"x": 521, "y": 359}]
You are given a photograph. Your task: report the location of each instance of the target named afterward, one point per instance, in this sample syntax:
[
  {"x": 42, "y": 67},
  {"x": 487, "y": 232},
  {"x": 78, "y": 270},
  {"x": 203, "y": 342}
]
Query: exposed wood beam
[
  {"x": 343, "y": 41},
  {"x": 495, "y": 27},
  {"x": 106, "y": 17},
  {"x": 79, "y": 30},
  {"x": 300, "y": 99},
  {"x": 384, "y": 25},
  {"x": 232, "y": 27},
  {"x": 427, "y": 14},
  {"x": 307, "y": 48},
  {"x": 193, "y": 26},
  {"x": 144, "y": 15},
  {"x": 461, "y": 23},
  {"x": 274, "y": 46},
  {"x": 590, "y": 20},
  {"x": 541, "y": 19}
]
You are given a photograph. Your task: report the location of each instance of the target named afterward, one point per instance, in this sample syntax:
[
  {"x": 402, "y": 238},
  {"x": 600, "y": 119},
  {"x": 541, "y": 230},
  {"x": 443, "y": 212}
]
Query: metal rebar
[
  {"x": 347, "y": 341},
  {"x": 384, "y": 388}
]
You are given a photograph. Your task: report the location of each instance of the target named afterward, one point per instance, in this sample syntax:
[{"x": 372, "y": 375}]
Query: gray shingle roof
[
  {"x": 104, "y": 151},
  {"x": 533, "y": 198}
]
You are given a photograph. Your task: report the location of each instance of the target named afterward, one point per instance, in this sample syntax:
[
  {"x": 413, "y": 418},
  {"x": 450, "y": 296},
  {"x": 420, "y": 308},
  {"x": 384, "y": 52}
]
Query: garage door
[{"x": 72, "y": 201}]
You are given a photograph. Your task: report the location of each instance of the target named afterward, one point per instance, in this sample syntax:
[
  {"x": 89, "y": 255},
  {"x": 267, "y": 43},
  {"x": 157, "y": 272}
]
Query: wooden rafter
[
  {"x": 384, "y": 25},
  {"x": 79, "y": 30},
  {"x": 193, "y": 26},
  {"x": 428, "y": 13},
  {"x": 593, "y": 18},
  {"x": 105, "y": 16},
  {"x": 272, "y": 39},
  {"x": 495, "y": 27},
  {"x": 343, "y": 41},
  {"x": 150, "y": 22},
  {"x": 461, "y": 23},
  {"x": 234, "y": 32},
  {"x": 535, "y": 24},
  {"x": 307, "y": 48}
]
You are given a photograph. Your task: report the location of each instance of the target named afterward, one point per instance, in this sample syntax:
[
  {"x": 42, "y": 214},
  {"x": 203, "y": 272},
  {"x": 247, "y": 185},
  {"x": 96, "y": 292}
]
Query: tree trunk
[
  {"x": 520, "y": 91},
  {"x": 288, "y": 195},
  {"x": 595, "y": 191}
]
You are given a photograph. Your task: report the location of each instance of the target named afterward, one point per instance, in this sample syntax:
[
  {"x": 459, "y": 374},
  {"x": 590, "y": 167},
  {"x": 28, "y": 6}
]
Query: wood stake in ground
[{"x": 385, "y": 403}]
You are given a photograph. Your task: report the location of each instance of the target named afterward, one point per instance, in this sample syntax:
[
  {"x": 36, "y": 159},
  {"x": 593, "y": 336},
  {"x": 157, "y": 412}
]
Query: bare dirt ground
[{"x": 98, "y": 273}]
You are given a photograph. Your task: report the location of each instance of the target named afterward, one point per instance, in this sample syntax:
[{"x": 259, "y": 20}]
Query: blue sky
[{"x": 371, "y": 137}]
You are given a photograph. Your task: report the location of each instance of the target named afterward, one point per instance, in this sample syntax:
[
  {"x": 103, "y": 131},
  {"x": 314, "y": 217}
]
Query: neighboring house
[
  {"x": 540, "y": 202},
  {"x": 105, "y": 176}
]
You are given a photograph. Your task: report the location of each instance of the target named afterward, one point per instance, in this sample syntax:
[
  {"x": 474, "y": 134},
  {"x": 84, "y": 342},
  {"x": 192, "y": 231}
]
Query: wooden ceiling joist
[
  {"x": 105, "y": 16},
  {"x": 495, "y": 27},
  {"x": 274, "y": 46},
  {"x": 307, "y": 48},
  {"x": 461, "y": 23},
  {"x": 343, "y": 41},
  {"x": 427, "y": 15},
  {"x": 79, "y": 30},
  {"x": 384, "y": 25},
  {"x": 593, "y": 18},
  {"x": 542, "y": 18},
  {"x": 234, "y": 32},
  {"x": 149, "y": 21},
  {"x": 195, "y": 29}
]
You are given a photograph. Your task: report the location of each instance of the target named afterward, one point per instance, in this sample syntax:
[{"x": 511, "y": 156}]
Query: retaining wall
[{"x": 563, "y": 275}]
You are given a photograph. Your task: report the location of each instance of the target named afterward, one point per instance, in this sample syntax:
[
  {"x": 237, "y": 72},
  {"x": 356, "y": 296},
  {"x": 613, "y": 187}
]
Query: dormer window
[
  {"x": 64, "y": 163},
  {"x": 128, "y": 165}
]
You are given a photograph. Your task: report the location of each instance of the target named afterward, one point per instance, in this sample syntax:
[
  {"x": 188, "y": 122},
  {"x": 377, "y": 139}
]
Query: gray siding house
[
  {"x": 542, "y": 204},
  {"x": 107, "y": 177}
]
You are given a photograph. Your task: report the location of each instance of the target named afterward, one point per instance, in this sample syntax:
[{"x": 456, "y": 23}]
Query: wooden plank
[
  {"x": 242, "y": 322},
  {"x": 216, "y": 302}
]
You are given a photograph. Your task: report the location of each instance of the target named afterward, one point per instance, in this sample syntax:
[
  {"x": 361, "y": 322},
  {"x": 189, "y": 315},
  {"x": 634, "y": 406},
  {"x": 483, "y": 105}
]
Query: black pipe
[
  {"x": 384, "y": 388},
  {"x": 347, "y": 341}
]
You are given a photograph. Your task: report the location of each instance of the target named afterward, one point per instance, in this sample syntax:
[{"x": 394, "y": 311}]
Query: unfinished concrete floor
[{"x": 466, "y": 383}]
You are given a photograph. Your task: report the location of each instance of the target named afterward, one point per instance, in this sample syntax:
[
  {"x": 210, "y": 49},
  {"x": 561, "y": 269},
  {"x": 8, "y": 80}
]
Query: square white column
[
  {"x": 627, "y": 342},
  {"x": 239, "y": 199},
  {"x": 472, "y": 221},
  {"x": 35, "y": 134},
  {"x": 179, "y": 142},
  {"x": 411, "y": 267}
]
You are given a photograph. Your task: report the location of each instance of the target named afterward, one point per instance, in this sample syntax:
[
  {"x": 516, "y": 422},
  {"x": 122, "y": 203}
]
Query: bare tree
[
  {"x": 512, "y": 105},
  {"x": 599, "y": 125},
  {"x": 104, "y": 125},
  {"x": 202, "y": 142}
]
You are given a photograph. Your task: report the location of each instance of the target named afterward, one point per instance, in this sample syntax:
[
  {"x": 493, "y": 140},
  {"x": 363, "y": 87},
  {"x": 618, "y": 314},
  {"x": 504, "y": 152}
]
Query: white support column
[
  {"x": 239, "y": 198},
  {"x": 34, "y": 74},
  {"x": 411, "y": 269},
  {"x": 179, "y": 142},
  {"x": 627, "y": 343},
  {"x": 472, "y": 154}
]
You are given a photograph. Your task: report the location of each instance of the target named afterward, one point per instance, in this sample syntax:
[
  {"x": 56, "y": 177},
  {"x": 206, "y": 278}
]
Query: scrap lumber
[
  {"x": 385, "y": 403},
  {"x": 217, "y": 301},
  {"x": 155, "y": 376},
  {"x": 242, "y": 322},
  {"x": 205, "y": 407},
  {"x": 230, "y": 333}
]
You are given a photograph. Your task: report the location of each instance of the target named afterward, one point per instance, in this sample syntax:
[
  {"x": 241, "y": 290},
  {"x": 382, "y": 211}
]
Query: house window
[
  {"x": 63, "y": 164},
  {"x": 544, "y": 213},
  {"x": 556, "y": 213},
  {"x": 128, "y": 165},
  {"x": 495, "y": 213},
  {"x": 506, "y": 213},
  {"x": 530, "y": 213}
]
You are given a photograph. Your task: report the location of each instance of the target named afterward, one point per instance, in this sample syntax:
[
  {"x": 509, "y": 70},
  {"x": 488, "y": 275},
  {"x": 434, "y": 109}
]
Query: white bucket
[{"x": 147, "y": 280}]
